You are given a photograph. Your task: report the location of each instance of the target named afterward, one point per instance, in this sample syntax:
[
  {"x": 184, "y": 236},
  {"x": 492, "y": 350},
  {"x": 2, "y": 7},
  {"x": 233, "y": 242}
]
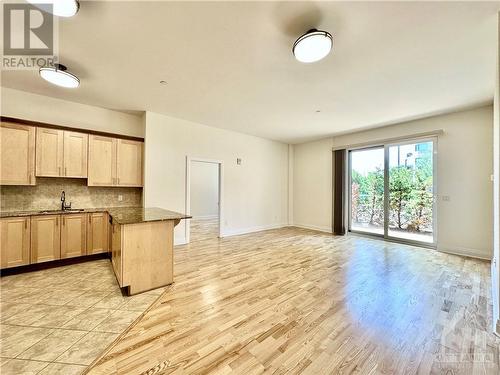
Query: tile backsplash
[{"x": 46, "y": 194}]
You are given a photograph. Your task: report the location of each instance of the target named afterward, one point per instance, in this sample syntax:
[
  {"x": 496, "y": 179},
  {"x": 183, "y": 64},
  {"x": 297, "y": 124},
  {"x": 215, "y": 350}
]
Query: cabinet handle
[
  {"x": 118, "y": 181},
  {"x": 64, "y": 221},
  {"x": 90, "y": 216},
  {"x": 57, "y": 221},
  {"x": 65, "y": 171},
  {"x": 26, "y": 224},
  {"x": 59, "y": 169}
]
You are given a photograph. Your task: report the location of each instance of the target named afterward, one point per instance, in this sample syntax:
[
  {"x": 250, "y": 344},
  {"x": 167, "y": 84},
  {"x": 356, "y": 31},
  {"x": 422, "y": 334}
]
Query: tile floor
[{"x": 57, "y": 321}]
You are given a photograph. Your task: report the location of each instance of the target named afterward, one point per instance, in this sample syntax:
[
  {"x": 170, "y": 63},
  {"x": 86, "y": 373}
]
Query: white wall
[
  {"x": 204, "y": 189},
  {"x": 312, "y": 187},
  {"x": 495, "y": 266},
  {"x": 465, "y": 223},
  {"x": 255, "y": 193},
  {"x": 28, "y": 106}
]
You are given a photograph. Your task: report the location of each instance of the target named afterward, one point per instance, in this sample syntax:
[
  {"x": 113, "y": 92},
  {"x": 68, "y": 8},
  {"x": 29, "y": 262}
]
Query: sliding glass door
[
  {"x": 391, "y": 191},
  {"x": 367, "y": 190}
]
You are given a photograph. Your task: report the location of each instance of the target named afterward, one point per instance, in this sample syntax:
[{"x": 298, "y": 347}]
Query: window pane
[
  {"x": 367, "y": 190},
  {"x": 411, "y": 191}
]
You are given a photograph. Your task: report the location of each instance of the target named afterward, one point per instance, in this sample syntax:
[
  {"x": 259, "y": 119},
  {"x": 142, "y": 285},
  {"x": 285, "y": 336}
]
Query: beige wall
[
  {"x": 28, "y": 106},
  {"x": 204, "y": 189},
  {"x": 255, "y": 193},
  {"x": 464, "y": 171}
]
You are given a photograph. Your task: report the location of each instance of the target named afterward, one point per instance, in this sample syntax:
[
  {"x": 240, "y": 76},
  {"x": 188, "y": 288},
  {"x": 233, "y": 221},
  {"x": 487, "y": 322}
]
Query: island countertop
[{"x": 135, "y": 215}]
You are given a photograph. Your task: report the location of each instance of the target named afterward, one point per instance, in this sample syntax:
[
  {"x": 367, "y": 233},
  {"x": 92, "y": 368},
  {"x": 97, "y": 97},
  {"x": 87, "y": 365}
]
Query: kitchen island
[{"x": 142, "y": 247}]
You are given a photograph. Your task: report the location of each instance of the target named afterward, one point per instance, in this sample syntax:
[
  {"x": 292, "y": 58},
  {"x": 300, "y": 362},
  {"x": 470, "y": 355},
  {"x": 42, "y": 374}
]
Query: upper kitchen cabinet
[
  {"x": 17, "y": 154},
  {"x": 114, "y": 162},
  {"x": 102, "y": 161},
  {"x": 75, "y": 154},
  {"x": 49, "y": 152},
  {"x": 61, "y": 153},
  {"x": 129, "y": 163}
]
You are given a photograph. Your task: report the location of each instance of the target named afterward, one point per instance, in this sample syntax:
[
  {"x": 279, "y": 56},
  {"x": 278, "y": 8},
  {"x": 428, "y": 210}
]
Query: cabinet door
[
  {"x": 73, "y": 235},
  {"x": 15, "y": 241},
  {"x": 116, "y": 252},
  {"x": 97, "y": 233},
  {"x": 45, "y": 238},
  {"x": 75, "y": 154},
  {"x": 102, "y": 161},
  {"x": 49, "y": 152},
  {"x": 129, "y": 163},
  {"x": 17, "y": 154}
]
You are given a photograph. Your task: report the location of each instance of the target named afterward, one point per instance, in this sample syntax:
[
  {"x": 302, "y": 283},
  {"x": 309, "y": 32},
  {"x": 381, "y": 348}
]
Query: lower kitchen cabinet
[
  {"x": 116, "y": 252},
  {"x": 73, "y": 235},
  {"x": 15, "y": 241},
  {"x": 97, "y": 233},
  {"x": 45, "y": 238}
]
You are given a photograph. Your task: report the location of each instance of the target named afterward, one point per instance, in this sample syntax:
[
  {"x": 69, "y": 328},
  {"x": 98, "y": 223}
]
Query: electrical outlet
[
  {"x": 446, "y": 198},
  {"x": 120, "y": 198},
  {"x": 238, "y": 161}
]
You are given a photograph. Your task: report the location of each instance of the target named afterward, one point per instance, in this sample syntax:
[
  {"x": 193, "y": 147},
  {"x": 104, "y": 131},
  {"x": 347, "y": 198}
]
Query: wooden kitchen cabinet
[
  {"x": 97, "y": 233},
  {"x": 75, "y": 154},
  {"x": 73, "y": 235},
  {"x": 116, "y": 252},
  {"x": 102, "y": 161},
  {"x": 17, "y": 154},
  {"x": 15, "y": 241},
  {"x": 45, "y": 238},
  {"x": 114, "y": 162},
  {"x": 129, "y": 163},
  {"x": 49, "y": 152},
  {"x": 61, "y": 153}
]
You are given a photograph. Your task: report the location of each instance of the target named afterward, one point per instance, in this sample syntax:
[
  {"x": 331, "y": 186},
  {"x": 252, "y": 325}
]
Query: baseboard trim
[
  {"x": 313, "y": 227},
  {"x": 464, "y": 252},
  {"x": 237, "y": 232}
]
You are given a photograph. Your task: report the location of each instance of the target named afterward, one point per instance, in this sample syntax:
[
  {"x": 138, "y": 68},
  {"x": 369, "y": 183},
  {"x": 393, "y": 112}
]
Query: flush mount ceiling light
[
  {"x": 61, "y": 8},
  {"x": 312, "y": 46},
  {"x": 59, "y": 76}
]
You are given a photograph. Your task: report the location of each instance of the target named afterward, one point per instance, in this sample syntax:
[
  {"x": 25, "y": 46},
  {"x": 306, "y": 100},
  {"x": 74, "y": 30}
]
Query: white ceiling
[{"x": 229, "y": 64}]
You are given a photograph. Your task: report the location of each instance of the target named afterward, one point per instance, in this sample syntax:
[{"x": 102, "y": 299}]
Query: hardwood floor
[
  {"x": 298, "y": 301},
  {"x": 204, "y": 229}
]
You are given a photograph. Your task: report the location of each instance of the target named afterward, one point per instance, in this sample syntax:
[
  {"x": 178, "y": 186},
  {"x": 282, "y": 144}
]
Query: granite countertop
[
  {"x": 134, "y": 215},
  {"x": 120, "y": 215}
]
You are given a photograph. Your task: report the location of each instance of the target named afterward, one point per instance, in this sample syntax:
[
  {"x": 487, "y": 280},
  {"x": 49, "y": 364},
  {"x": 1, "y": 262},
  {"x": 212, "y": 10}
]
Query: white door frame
[{"x": 190, "y": 159}]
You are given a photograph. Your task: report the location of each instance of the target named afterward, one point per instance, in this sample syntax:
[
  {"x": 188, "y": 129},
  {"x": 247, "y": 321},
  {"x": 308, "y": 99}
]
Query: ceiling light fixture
[
  {"x": 58, "y": 75},
  {"x": 61, "y": 8},
  {"x": 312, "y": 46}
]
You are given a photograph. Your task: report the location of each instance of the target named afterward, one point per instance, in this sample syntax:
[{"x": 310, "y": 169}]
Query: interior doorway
[{"x": 203, "y": 199}]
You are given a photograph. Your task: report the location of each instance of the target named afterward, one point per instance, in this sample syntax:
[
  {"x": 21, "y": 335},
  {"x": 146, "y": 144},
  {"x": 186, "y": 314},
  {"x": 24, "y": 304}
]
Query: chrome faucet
[{"x": 64, "y": 206}]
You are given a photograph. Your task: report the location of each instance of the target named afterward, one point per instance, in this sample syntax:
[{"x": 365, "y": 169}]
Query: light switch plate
[{"x": 120, "y": 198}]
